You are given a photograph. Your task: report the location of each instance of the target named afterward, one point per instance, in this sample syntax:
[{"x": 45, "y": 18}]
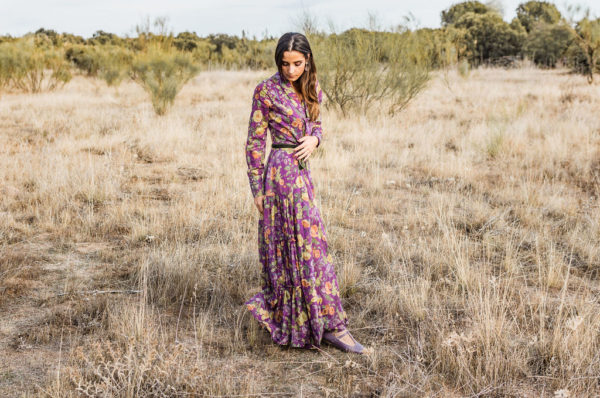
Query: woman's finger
[{"x": 303, "y": 153}]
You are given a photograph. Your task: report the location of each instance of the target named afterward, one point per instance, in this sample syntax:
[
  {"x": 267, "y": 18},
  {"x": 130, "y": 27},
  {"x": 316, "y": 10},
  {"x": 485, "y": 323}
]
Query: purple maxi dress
[{"x": 300, "y": 294}]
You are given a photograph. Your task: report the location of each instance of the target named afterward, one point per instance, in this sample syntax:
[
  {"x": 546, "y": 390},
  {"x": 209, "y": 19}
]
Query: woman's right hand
[{"x": 258, "y": 201}]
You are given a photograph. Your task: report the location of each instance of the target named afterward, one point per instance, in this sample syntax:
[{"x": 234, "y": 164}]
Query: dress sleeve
[
  {"x": 316, "y": 129},
  {"x": 257, "y": 138}
]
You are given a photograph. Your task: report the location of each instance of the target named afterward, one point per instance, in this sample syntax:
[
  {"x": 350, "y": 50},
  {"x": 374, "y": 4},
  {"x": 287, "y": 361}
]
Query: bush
[
  {"x": 32, "y": 65},
  {"x": 358, "y": 69},
  {"x": 487, "y": 37},
  {"x": 438, "y": 46},
  {"x": 546, "y": 44},
  {"x": 162, "y": 73},
  {"x": 114, "y": 63},
  {"x": 109, "y": 62},
  {"x": 587, "y": 38},
  {"x": 84, "y": 58}
]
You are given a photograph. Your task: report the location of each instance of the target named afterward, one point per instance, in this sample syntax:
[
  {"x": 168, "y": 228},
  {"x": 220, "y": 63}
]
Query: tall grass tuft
[{"x": 162, "y": 73}]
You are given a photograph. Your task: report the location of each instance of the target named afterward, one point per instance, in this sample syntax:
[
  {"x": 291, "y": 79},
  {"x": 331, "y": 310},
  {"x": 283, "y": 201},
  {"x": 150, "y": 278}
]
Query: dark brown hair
[{"x": 307, "y": 82}]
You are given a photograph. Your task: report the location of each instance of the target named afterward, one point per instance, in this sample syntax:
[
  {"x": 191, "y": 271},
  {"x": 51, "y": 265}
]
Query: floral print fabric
[{"x": 300, "y": 297}]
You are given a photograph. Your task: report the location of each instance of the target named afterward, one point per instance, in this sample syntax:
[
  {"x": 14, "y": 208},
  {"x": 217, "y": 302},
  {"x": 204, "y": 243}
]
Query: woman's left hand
[{"x": 308, "y": 144}]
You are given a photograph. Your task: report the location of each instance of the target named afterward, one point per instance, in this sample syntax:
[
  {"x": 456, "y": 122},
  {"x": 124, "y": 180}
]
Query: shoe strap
[{"x": 345, "y": 332}]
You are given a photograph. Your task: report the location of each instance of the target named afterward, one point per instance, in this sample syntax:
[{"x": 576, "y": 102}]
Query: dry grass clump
[{"x": 464, "y": 232}]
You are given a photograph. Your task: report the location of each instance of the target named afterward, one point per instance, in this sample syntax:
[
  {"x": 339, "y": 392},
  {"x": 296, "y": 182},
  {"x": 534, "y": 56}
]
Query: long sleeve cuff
[
  {"x": 317, "y": 132},
  {"x": 255, "y": 176}
]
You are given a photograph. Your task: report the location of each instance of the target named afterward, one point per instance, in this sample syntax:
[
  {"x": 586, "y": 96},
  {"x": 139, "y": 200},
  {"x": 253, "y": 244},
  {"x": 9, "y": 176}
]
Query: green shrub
[
  {"x": 587, "y": 37},
  {"x": 32, "y": 65},
  {"x": 546, "y": 44},
  {"x": 109, "y": 62},
  {"x": 162, "y": 73},
  {"x": 114, "y": 63},
  {"x": 84, "y": 58},
  {"x": 488, "y": 37},
  {"x": 359, "y": 69}
]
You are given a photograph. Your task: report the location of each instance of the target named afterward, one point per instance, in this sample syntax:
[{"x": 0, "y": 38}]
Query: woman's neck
[{"x": 298, "y": 93}]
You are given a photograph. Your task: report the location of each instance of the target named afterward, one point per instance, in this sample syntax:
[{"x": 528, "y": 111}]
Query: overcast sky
[{"x": 257, "y": 17}]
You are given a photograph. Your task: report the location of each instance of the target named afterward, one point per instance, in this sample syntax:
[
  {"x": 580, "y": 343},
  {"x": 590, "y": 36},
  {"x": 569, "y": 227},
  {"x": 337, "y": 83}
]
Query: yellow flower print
[
  {"x": 278, "y": 119},
  {"x": 325, "y": 310},
  {"x": 257, "y": 116},
  {"x": 250, "y": 306},
  {"x": 300, "y": 240},
  {"x": 289, "y": 111},
  {"x": 305, "y": 223},
  {"x": 256, "y": 154},
  {"x": 260, "y": 131},
  {"x": 302, "y": 318},
  {"x": 328, "y": 287},
  {"x": 306, "y": 255},
  {"x": 305, "y": 196},
  {"x": 299, "y": 181},
  {"x": 268, "y": 102},
  {"x": 305, "y": 283},
  {"x": 329, "y": 258}
]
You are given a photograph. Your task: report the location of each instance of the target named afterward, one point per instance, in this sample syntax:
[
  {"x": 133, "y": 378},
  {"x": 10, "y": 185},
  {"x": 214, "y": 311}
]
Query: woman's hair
[{"x": 306, "y": 83}]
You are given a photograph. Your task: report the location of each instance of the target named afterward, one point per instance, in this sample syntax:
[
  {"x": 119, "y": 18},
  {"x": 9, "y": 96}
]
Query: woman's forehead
[{"x": 292, "y": 56}]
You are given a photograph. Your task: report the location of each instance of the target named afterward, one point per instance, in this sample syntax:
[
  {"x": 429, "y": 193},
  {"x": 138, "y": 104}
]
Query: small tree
[
  {"x": 455, "y": 12},
  {"x": 162, "y": 73},
  {"x": 488, "y": 37},
  {"x": 534, "y": 12}
]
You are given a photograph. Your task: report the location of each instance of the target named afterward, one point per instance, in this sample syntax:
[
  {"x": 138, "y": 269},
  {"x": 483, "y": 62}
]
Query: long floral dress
[{"x": 300, "y": 294}]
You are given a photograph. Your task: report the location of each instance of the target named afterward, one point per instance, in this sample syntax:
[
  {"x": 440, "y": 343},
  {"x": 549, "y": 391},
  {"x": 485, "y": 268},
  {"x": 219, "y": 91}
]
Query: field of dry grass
[{"x": 465, "y": 234}]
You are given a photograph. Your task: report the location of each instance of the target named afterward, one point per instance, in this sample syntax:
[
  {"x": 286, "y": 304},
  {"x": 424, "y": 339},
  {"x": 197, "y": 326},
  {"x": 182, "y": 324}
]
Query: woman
[{"x": 299, "y": 303}]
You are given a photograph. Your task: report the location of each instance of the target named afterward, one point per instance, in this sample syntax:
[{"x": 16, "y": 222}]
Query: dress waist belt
[{"x": 301, "y": 162}]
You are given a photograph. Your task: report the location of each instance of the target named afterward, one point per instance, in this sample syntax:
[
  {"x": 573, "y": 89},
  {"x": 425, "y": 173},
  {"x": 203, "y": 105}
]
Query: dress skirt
[{"x": 300, "y": 296}]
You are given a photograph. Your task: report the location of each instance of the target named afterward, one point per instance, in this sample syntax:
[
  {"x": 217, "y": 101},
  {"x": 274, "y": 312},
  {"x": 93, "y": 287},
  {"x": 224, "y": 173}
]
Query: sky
[{"x": 257, "y": 18}]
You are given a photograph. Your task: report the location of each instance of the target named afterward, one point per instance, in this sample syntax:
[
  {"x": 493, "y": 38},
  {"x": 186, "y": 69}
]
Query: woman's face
[{"x": 293, "y": 64}]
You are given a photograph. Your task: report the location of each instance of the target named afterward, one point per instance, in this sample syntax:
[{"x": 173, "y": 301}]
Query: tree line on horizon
[{"x": 390, "y": 65}]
